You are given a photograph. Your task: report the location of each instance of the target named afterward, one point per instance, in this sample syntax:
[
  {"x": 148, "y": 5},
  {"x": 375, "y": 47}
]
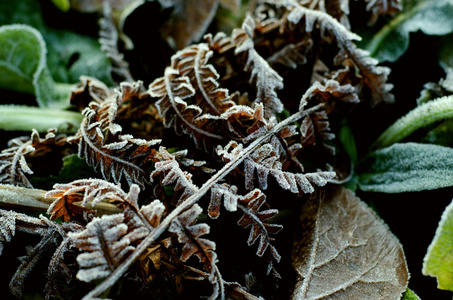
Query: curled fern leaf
[
  {"x": 14, "y": 167},
  {"x": 267, "y": 79},
  {"x": 193, "y": 63},
  {"x": 265, "y": 160},
  {"x": 374, "y": 77},
  {"x": 103, "y": 145},
  {"x": 106, "y": 247},
  {"x": 189, "y": 235}
]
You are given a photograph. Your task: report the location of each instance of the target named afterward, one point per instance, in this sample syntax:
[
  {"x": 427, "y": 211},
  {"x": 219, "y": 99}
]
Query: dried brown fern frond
[
  {"x": 193, "y": 62},
  {"x": 172, "y": 90},
  {"x": 102, "y": 144},
  {"x": 268, "y": 81},
  {"x": 14, "y": 167},
  {"x": 108, "y": 240},
  {"x": 189, "y": 234},
  {"x": 250, "y": 205},
  {"x": 373, "y": 77},
  {"x": 108, "y": 38}
]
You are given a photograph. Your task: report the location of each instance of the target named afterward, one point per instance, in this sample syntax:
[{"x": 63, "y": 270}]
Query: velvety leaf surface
[
  {"x": 23, "y": 63},
  {"x": 438, "y": 261},
  {"x": 407, "y": 167},
  {"x": 432, "y": 17},
  {"x": 410, "y": 295},
  {"x": 344, "y": 251}
]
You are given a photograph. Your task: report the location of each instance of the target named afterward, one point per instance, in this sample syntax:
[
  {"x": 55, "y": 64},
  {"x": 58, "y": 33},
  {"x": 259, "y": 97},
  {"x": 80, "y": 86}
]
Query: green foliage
[
  {"x": 432, "y": 17},
  {"x": 438, "y": 261},
  {"x": 71, "y": 55},
  {"x": 407, "y": 167},
  {"x": 424, "y": 115},
  {"x": 23, "y": 65},
  {"x": 410, "y": 295},
  {"x": 26, "y": 118},
  {"x": 53, "y": 56}
]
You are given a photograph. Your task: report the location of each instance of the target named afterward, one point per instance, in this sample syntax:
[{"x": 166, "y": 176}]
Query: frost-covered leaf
[
  {"x": 432, "y": 17},
  {"x": 101, "y": 142},
  {"x": 172, "y": 91},
  {"x": 105, "y": 246},
  {"x": 344, "y": 251},
  {"x": 407, "y": 167},
  {"x": 373, "y": 78},
  {"x": 93, "y": 191},
  {"x": 173, "y": 174},
  {"x": 410, "y": 295},
  {"x": 256, "y": 218},
  {"x": 438, "y": 261},
  {"x": 266, "y": 161},
  {"x": 193, "y": 62},
  {"x": 7, "y": 230},
  {"x": 23, "y": 65},
  {"x": 422, "y": 116},
  {"x": 65, "y": 208},
  {"x": 13, "y": 160},
  {"x": 189, "y": 234},
  {"x": 268, "y": 81}
]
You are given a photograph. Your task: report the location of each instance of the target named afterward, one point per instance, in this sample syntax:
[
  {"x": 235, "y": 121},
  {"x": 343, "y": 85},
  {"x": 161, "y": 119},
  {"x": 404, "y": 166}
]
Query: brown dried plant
[{"x": 258, "y": 107}]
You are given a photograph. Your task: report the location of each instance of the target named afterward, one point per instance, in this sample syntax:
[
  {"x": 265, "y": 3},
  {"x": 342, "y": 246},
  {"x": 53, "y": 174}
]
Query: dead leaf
[
  {"x": 65, "y": 208},
  {"x": 344, "y": 251}
]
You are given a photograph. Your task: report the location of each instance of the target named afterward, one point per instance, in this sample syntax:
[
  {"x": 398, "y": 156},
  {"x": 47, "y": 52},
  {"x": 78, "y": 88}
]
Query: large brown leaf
[{"x": 345, "y": 251}]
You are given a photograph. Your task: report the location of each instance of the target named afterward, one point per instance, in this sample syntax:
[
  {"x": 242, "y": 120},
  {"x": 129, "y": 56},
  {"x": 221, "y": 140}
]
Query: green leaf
[
  {"x": 72, "y": 55},
  {"x": 433, "y": 17},
  {"x": 410, "y": 295},
  {"x": 63, "y": 5},
  {"x": 407, "y": 167},
  {"x": 26, "y": 118},
  {"x": 438, "y": 261},
  {"x": 421, "y": 116},
  {"x": 23, "y": 65},
  {"x": 69, "y": 54}
]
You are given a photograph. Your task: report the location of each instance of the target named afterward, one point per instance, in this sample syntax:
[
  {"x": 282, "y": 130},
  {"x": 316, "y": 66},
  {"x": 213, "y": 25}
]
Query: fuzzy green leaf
[
  {"x": 432, "y": 17},
  {"x": 438, "y": 261},
  {"x": 23, "y": 65},
  {"x": 407, "y": 167},
  {"x": 69, "y": 54},
  {"x": 72, "y": 55},
  {"x": 421, "y": 116},
  {"x": 410, "y": 295}
]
